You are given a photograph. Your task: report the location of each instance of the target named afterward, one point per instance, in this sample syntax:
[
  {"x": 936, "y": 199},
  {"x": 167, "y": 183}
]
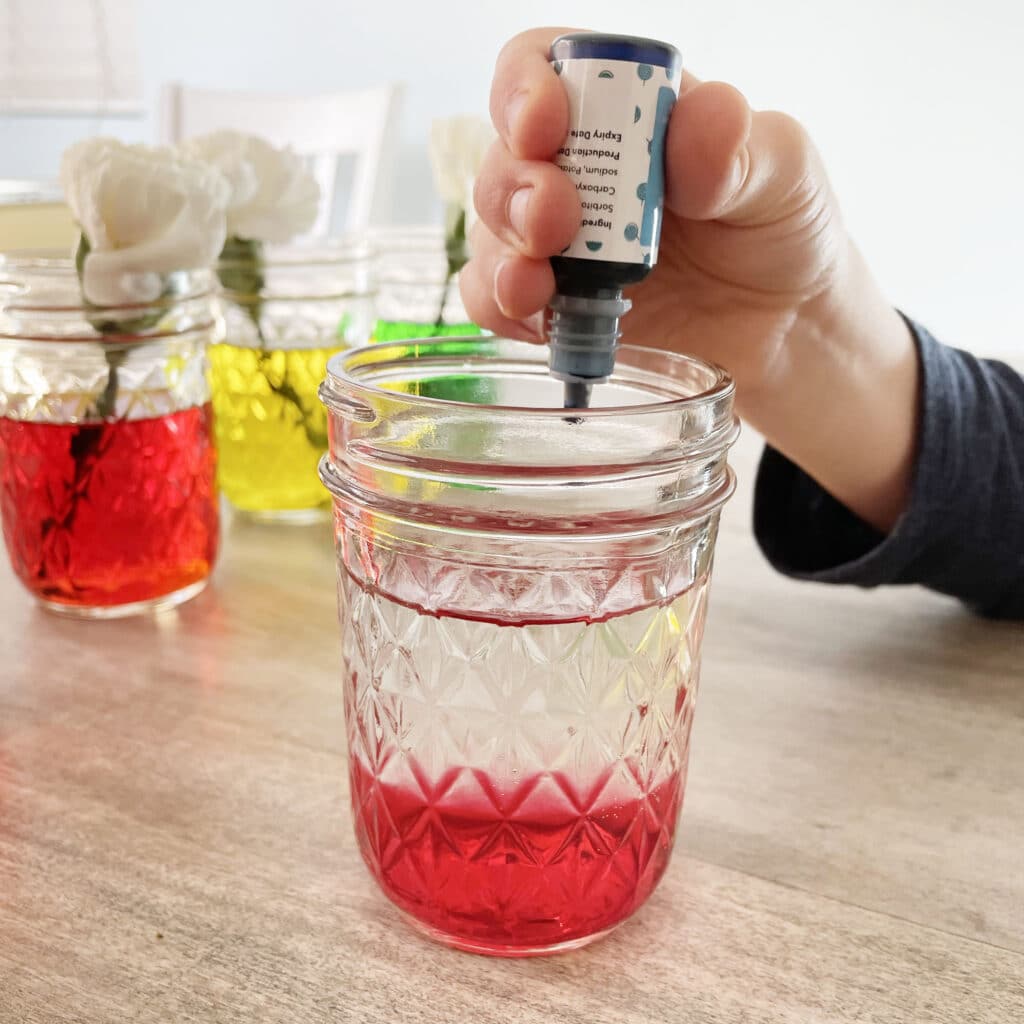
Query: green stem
[
  {"x": 317, "y": 438},
  {"x": 106, "y": 403},
  {"x": 439, "y": 322},
  {"x": 241, "y": 273},
  {"x": 456, "y": 252},
  {"x": 87, "y": 448}
]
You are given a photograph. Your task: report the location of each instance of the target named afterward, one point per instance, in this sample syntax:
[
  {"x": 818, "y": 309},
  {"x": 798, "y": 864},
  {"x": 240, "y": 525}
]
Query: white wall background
[{"x": 916, "y": 106}]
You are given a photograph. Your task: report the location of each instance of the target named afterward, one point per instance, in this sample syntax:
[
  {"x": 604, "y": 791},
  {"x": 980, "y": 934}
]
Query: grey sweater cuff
[{"x": 963, "y": 531}]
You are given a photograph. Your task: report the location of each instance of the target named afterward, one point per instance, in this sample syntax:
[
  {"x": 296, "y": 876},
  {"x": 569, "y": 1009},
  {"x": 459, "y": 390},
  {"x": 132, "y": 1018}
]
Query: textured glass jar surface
[
  {"x": 107, "y": 460},
  {"x": 418, "y": 294},
  {"x": 522, "y": 595},
  {"x": 286, "y": 315}
]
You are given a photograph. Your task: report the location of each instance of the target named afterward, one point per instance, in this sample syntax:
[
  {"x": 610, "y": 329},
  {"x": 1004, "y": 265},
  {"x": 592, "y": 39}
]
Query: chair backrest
[{"x": 323, "y": 128}]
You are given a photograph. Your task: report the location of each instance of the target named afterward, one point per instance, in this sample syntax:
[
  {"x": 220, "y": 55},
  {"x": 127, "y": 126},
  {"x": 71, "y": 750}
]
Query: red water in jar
[
  {"x": 110, "y": 513},
  {"x": 516, "y": 785},
  {"x": 507, "y": 869}
]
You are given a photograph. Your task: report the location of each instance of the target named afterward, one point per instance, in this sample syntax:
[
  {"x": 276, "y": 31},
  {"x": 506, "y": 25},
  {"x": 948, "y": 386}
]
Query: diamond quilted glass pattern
[
  {"x": 271, "y": 427},
  {"x": 516, "y": 788},
  {"x": 107, "y": 514},
  {"x": 100, "y": 514},
  {"x": 59, "y": 383}
]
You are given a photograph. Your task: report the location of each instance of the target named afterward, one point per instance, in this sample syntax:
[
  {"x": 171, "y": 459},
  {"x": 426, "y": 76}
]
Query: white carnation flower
[
  {"x": 145, "y": 212},
  {"x": 274, "y": 196}
]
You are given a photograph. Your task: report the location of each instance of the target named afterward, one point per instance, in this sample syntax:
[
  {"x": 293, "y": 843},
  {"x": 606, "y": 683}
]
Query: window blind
[{"x": 69, "y": 57}]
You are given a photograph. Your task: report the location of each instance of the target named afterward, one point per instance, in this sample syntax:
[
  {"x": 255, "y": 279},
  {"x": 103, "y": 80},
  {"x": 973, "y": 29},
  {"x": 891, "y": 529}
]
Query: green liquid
[{"x": 403, "y": 330}]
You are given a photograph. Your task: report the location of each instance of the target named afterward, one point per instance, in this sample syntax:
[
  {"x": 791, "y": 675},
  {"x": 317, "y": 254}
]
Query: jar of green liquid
[
  {"x": 418, "y": 297},
  {"x": 287, "y": 310}
]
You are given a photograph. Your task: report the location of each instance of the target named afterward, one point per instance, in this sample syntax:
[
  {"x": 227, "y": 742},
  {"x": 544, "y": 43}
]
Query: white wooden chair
[{"x": 361, "y": 124}]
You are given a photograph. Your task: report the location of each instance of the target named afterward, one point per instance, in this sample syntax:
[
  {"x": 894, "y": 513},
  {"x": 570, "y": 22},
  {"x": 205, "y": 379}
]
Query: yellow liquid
[{"x": 271, "y": 427}]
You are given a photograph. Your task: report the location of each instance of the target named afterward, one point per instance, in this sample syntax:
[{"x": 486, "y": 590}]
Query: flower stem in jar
[
  {"x": 241, "y": 273},
  {"x": 457, "y": 254},
  {"x": 149, "y": 526}
]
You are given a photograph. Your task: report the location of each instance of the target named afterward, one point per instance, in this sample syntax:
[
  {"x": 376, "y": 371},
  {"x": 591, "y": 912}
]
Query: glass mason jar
[
  {"x": 522, "y": 596},
  {"x": 417, "y": 298},
  {"x": 286, "y": 313},
  {"x": 107, "y": 461}
]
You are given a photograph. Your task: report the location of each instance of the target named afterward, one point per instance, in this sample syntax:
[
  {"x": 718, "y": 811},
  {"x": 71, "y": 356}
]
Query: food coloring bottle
[{"x": 621, "y": 92}]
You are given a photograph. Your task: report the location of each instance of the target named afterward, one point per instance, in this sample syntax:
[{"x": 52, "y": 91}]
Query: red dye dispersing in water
[
  {"x": 110, "y": 513},
  {"x": 510, "y": 868}
]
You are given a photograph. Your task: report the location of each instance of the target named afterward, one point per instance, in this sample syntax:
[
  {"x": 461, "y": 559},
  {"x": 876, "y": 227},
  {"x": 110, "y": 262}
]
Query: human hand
[{"x": 756, "y": 272}]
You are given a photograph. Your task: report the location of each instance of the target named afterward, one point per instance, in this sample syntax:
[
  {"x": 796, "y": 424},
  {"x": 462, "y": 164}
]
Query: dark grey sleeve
[{"x": 963, "y": 531}]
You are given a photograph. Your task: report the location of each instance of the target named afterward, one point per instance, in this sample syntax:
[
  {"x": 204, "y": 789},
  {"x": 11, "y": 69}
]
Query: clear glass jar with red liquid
[
  {"x": 522, "y": 597},
  {"x": 107, "y": 462}
]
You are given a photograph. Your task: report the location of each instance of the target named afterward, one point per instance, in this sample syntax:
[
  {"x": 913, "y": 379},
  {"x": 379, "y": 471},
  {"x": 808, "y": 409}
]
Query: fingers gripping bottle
[{"x": 621, "y": 91}]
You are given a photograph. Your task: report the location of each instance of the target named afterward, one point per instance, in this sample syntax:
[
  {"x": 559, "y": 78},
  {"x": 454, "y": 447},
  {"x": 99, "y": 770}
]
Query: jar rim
[
  {"x": 326, "y": 252},
  {"x": 408, "y": 233},
  {"x": 496, "y": 453},
  {"x": 36, "y": 259},
  {"x": 59, "y": 265},
  {"x": 41, "y": 283},
  {"x": 395, "y": 245},
  {"x": 344, "y": 383}
]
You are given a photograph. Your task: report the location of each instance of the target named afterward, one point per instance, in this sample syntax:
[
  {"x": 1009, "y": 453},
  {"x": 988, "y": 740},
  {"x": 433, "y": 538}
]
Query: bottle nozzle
[
  {"x": 576, "y": 394},
  {"x": 584, "y": 337}
]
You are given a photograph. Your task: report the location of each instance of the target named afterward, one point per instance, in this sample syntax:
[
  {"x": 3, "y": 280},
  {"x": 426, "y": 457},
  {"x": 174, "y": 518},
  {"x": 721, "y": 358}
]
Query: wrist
[{"x": 839, "y": 397}]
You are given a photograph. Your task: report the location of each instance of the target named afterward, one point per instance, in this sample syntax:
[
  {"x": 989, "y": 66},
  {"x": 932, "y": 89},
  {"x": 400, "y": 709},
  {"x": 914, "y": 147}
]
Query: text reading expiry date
[{"x": 586, "y": 133}]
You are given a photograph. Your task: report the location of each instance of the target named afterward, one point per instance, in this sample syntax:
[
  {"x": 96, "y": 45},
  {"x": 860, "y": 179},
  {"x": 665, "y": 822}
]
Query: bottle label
[{"x": 615, "y": 153}]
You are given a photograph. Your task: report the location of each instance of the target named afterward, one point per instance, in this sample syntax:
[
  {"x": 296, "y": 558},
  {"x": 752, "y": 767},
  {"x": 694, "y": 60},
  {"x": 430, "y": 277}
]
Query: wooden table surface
[{"x": 175, "y": 840}]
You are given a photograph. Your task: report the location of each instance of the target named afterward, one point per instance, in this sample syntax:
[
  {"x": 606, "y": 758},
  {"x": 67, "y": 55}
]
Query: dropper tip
[{"x": 576, "y": 394}]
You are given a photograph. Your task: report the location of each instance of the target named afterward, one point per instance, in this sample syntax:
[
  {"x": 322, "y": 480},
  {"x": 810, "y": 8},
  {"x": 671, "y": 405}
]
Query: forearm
[{"x": 962, "y": 532}]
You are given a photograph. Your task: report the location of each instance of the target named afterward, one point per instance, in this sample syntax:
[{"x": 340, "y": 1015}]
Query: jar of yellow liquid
[
  {"x": 287, "y": 310},
  {"x": 417, "y": 295}
]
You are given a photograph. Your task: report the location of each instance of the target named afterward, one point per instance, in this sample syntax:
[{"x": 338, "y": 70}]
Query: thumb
[{"x": 726, "y": 162}]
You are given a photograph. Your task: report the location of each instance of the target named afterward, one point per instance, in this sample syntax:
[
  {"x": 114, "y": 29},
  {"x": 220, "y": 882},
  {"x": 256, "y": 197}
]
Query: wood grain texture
[{"x": 175, "y": 843}]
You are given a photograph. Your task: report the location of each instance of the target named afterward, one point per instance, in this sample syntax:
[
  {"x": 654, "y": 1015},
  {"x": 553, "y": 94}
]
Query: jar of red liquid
[
  {"x": 107, "y": 464},
  {"x": 522, "y": 593}
]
